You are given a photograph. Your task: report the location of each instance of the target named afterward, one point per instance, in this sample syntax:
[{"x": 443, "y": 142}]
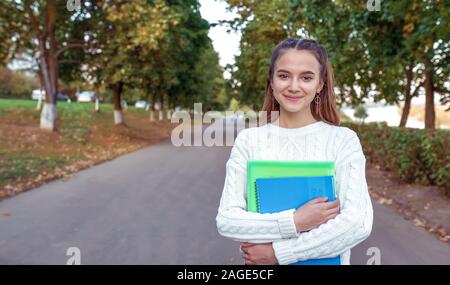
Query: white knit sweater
[{"x": 318, "y": 141}]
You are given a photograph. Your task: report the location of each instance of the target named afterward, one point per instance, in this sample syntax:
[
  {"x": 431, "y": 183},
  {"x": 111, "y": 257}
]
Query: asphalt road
[{"x": 158, "y": 206}]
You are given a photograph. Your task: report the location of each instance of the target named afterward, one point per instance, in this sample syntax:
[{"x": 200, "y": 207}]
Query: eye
[
  {"x": 307, "y": 78},
  {"x": 283, "y": 76}
]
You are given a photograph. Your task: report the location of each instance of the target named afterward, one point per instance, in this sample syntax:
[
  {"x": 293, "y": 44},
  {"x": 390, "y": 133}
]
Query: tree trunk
[
  {"x": 152, "y": 116},
  {"x": 48, "y": 117},
  {"x": 408, "y": 97},
  {"x": 163, "y": 108},
  {"x": 41, "y": 80},
  {"x": 430, "y": 118},
  {"x": 97, "y": 104},
  {"x": 170, "y": 102},
  {"x": 153, "y": 101},
  {"x": 405, "y": 112},
  {"x": 117, "y": 93},
  {"x": 48, "y": 66}
]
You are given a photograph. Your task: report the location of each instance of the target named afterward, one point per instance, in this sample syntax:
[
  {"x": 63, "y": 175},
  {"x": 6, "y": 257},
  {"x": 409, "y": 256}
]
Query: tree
[
  {"x": 210, "y": 85},
  {"x": 127, "y": 32},
  {"x": 151, "y": 45},
  {"x": 40, "y": 27},
  {"x": 14, "y": 84},
  {"x": 361, "y": 113},
  {"x": 189, "y": 47}
]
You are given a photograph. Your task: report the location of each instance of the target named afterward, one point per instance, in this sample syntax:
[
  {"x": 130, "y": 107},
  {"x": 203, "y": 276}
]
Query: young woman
[{"x": 300, "y": 88}]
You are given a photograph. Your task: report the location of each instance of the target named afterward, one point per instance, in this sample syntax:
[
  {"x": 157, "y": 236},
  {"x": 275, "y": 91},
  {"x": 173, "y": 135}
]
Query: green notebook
[{"x": 282, "y": 168}]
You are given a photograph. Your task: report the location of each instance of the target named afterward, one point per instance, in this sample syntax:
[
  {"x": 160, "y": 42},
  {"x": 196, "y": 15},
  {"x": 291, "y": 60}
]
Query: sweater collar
[{"x": 273, "y": 128}]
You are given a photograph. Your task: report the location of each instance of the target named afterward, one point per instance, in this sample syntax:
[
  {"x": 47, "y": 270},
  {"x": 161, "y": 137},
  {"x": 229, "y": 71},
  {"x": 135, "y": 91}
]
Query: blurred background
[{"x": 83, "y": 82}]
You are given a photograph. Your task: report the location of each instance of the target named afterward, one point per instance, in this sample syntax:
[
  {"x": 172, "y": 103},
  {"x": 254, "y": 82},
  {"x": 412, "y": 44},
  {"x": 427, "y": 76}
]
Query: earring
[{"x": 317, "y": 101}]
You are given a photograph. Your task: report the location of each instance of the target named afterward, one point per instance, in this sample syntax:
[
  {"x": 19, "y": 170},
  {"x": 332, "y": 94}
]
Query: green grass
[
  {"x": 29, "y": 156},
  {"x": 27, "y": 165},
  {"x": 24, "y": 104},
  {"x": 6, "y": 104}
]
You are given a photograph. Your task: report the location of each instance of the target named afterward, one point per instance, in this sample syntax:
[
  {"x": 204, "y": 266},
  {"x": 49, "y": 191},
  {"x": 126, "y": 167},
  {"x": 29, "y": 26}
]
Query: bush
[
  {"x": 414, "y": 155},
  {"x": 16, "y": 85}
]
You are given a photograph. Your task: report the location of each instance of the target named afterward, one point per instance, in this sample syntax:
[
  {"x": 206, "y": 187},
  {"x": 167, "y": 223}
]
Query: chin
[{"x": 294, "y": 109}]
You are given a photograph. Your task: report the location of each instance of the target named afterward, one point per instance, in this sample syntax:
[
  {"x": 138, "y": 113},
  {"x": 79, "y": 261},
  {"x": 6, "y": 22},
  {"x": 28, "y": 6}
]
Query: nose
[{"x": 294, "y": 87}]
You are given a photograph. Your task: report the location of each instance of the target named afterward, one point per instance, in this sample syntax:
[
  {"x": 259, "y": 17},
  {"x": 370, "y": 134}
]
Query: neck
[{"x": 295, "y": 120}]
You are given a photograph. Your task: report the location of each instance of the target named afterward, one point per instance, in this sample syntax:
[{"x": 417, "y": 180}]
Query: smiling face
[{"x": 296, "y": 80}]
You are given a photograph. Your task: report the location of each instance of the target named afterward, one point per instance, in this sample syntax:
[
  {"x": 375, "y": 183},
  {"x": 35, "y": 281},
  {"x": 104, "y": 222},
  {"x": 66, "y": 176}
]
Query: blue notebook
[{"x": 283, "y": 193}]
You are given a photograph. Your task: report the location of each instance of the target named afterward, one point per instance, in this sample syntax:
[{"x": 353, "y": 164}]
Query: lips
[{"x": 293, "y": 98}]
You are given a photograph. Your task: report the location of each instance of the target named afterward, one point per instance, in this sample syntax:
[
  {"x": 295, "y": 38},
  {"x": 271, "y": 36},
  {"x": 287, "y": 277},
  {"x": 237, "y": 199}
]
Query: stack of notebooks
[{"x": 275, "y": 186}]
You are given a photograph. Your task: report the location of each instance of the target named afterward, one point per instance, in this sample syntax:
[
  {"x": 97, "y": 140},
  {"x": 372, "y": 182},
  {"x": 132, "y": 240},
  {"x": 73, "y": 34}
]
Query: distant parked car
[
  {"x": 86, "y": 96},
  {"x": 141, "y": 104},
  {"x": 38, "y": 94},
  {"x": 61, "y": 97}
]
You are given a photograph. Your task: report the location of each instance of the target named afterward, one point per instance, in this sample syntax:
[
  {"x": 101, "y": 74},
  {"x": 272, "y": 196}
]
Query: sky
[{"x": 226, "y": 44}]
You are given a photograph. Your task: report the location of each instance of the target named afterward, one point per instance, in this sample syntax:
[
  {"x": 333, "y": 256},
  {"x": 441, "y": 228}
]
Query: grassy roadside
[{"x": 30, "y": 157}]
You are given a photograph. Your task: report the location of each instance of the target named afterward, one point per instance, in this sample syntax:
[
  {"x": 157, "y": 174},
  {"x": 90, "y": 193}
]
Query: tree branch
[
  {"x": 72, "y": 45},
  {"x": 417, "y": 89},
  {"x": 68, "y": 61},
  {"x": 34, "y": 22},
  {"x": 442, "y": 91}
]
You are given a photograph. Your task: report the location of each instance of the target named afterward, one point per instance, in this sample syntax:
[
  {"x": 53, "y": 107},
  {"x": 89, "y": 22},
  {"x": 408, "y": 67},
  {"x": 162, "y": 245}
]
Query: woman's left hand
[{"x": 258, "y": 253}]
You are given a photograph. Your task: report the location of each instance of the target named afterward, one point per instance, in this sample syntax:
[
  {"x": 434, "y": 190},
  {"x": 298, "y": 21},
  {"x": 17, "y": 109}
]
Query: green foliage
[
  {"x": 210, "y": 84},
  {"x": 369, "y": 50},
  {"x": 189, "y": 49},
  {"x": 154, "y": 48},
  {"x": 234, "y": 105},
  {"x": 417, "y": 156}
]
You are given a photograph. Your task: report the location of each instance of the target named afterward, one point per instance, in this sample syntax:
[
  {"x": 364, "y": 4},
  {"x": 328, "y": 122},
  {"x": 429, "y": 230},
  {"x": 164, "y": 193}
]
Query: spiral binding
[{"x": 257, "y": 197}]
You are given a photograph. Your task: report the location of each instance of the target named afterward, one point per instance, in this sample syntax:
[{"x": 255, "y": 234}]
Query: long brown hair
[{"x": 326, "y": 110}]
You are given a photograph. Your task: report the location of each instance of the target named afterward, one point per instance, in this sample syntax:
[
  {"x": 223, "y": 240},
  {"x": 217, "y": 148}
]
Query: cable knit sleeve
[
  {"x": 351, "y": 226},
  {"x": 233, "y": 220}
]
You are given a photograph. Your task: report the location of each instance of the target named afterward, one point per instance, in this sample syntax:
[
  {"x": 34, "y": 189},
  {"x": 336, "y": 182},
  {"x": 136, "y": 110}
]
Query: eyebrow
[{"x": 304, "y": 72}]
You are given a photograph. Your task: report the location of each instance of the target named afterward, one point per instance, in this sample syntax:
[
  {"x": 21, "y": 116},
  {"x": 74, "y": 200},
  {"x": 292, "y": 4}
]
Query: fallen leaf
[
  {"x": 442, "y": 232},
  {"x": 419, "y": 223},
  {"x": 383, "y": 201},
  {"x": 407, "y": 212},
  {"x": 445, "y": 238}
]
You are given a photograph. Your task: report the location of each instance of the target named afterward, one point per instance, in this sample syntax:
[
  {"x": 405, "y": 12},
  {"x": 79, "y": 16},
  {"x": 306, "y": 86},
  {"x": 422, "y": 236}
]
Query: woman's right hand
[{"x": 314, "y": 213}]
